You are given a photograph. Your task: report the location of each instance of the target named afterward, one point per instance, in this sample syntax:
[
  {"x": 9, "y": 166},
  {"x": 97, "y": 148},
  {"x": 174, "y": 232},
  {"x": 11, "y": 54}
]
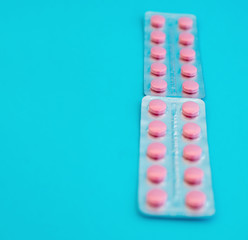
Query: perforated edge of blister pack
[
  {"x": 173, "y": 77},
  {"x": 174, "y": 162}
]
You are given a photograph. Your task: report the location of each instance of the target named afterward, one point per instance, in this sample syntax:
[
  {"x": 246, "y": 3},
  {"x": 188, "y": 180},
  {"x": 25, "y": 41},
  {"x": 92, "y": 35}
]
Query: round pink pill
[
  {"x": 193, "y": 175},
  {"x": 188, "y": 70},
  {"x": 190, "y": 109},
  {"x": 156, "y": 173},
  {"x": 195, "y": 199},
  {"x": 158, "y": 37},
  {"x": 156, "y": 198},
  {"x": 157, "y": 21},
  {"x": 158, "y": 85},
  {"x": 186, "y": 38},
  {"x": 158, "y": 69},
  {"x": 185, "y": 23},
  {"x": 156, "y": 150},
  {"x": 158, "y": 52},
  {"x": 192, "y": 152},
  {"x": 187, "y": 54},
  {"x": 157, "y": 128},
  {"x": 191, "y": 130},
  {"x": 190, "y": 87},
  {"x": 157, "y": 107}
]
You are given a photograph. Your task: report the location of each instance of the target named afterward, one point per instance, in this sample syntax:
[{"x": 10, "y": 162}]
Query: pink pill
[
  {"x": 190, "y": 87},
  {"x": 158, "y": 52},
  {"x": 156, "y": 198},
  {"x": 195, "y": 199},
  {"x": 187, "y": 54},
  {"x": 158, "y": 69},
  {"x": 193, "y": 175},
  {"x": 186, "y": 38},
  {"x": 158, "y": 37},
  {"x": 188, "y": 70},
  {"x": 192, "y": 152},
  {"x": 185, "y": 23},
  {"x": 156, "y": 150},
  {"x": 191, "y": 130},
  {"x": 190, "y": 109},
  {"x": 157, "y": 107},
  {"x": 158, "y": 85},
  {"x": 157, "y": 21},
  {"x": 156, "y": 173},
  {"x": 157, "y": 128}
]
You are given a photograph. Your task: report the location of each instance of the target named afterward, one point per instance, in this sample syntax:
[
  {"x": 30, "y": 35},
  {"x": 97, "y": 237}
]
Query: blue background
[{"x": 71, "y": 84}]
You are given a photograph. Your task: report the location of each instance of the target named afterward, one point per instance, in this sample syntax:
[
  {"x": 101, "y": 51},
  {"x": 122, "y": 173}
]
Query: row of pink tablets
[
  {"x": 187, "y": 54},
  {"x": 156, "y": 151}
]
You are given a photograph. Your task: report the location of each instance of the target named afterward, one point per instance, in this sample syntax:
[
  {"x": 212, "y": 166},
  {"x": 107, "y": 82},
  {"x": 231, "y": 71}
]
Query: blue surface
[{"x": 71, "y": 84}]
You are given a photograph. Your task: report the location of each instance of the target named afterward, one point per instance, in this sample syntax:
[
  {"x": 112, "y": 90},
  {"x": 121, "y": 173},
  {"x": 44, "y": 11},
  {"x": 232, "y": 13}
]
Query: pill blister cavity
[
  {"x": 192, "y": 152},
  {"x": 190, "y": 109},
  {"x": 157, "y": 128},
  {"x": 156, "y": 174},
  {"x": 158, "y": 37},
  {"x": 191, "y": 130},
  {"x": 158, "y": 85},
  {"x": 193, "y": 175},
  {"x": 185, "y": 23},
  {"x": 157, "y": 21},
  {"x": 186, "y": 38},
  {"x": 187, "y": 54},
  {"x": 158, "y": 52},
  {"x": 158, "y": 69},
  {"x": 190, "y": 87},
  {"x": 157, "y": 107},
  {"x": 195, "y": 199},
  {"x": 156, "y": 151},
  {"x": 188, "y": 70},
  {"x": 156, "y": 198}
]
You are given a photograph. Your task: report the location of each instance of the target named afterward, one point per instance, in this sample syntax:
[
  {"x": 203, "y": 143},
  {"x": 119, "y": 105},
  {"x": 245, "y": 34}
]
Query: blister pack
[
  {"x": 172, "y": 65},
  {"x": 174, "y": 172}
]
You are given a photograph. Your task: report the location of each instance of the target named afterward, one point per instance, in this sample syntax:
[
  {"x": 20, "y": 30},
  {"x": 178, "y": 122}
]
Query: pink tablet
[
  {"x": 158, "y": 37},
  {"x": 157, "y": 107},
  {"x": 158, "y": 52},
  {"x": 158, "y": 85},
  {"x": 187, "y": 54},
  {"x": 190, "y": 109},
  {"x": 156, "y": 173},
  {"x": 195, "y": 199},
  {"x": 185, "y": 23},
  {"x": 192, "y": 152},
  {"x": 186, "y": 38},
  {"x": 191, "y": 130},
  {"x": 188, "y": 70},
  {"x": 157, "y": 128},
  {"x": 156, "y": 198},
  {"x": 156, "y": 150},
  {"x": 193, "y": 175},
  {"x": 157, "y": 21},
  {"x": 158, "y": 69},
  {"x": 190, "y": 87}
]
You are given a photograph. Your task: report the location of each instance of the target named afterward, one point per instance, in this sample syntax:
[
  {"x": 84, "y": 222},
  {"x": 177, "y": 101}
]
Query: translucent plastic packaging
[
  {"x": 174, "y": 171},
  {"x": 172, "y": 42}
]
